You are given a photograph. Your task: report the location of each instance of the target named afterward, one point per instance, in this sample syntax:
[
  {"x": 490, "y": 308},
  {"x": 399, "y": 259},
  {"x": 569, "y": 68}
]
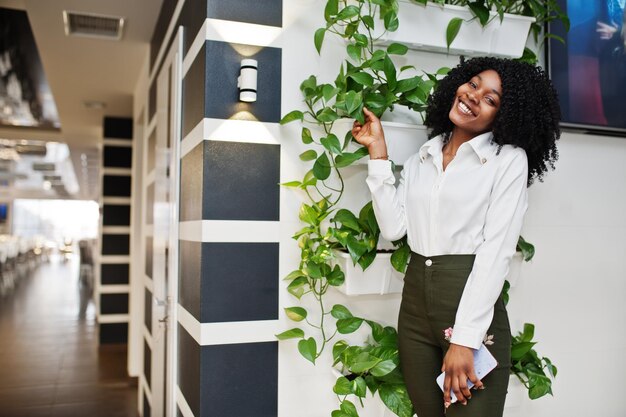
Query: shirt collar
[{"x": 481, "y": 144}]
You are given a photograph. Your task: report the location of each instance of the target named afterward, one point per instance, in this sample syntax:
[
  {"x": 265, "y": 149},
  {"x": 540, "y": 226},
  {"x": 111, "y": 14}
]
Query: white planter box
[
  {"x": 424, "y": 27},
  {"x": 379, "y": 278},
  {"x": 403, "y": 139},
  {"x": 515, "y": 268}
]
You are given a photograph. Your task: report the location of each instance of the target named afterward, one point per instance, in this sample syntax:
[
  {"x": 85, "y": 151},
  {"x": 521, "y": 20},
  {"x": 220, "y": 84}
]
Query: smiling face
[{"x": 476, "y": 103}]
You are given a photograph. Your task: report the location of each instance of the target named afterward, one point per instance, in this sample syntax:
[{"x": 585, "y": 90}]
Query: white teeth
[{"x": 464, "y": 108}]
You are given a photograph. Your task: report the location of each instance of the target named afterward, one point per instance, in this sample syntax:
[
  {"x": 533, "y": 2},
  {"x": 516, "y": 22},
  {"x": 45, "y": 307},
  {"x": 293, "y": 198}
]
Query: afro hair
[{"x": 529, "y": 112}]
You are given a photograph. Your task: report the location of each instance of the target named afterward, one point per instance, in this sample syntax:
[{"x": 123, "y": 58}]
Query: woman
[{"x": 461, "y": 201}]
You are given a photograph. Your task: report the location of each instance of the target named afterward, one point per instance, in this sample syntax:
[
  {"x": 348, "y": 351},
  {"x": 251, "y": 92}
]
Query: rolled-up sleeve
[
  {"x": 387, "y": 199},
  {"x": 503, "y": 223}
]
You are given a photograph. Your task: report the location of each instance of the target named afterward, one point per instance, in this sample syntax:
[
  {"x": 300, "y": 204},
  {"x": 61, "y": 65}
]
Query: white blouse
[{"x": 476, "y": 206}]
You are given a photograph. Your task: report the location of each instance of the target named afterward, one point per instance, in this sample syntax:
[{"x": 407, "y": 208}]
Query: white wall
[{"x": 572, "y": 290}]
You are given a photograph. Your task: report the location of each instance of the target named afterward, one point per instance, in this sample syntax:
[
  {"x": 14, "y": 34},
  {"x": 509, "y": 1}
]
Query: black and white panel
[
  {"x": 113, "y": 271},
  {"x": 229, "y": 217}
]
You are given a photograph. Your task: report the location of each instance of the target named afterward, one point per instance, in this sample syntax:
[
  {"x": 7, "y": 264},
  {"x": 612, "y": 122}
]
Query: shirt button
[
  {"x": 483, "y": 160},
  {"x": 428, "y": 262}
]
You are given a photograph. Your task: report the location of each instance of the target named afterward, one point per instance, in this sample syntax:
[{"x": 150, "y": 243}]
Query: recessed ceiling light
[{"x": 94, "y": 104}]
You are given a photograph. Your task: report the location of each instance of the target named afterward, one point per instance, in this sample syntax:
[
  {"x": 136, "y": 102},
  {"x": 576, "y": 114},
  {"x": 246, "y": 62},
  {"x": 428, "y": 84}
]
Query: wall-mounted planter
[
  {"x": 425, "y": 26},
  {"x": 403, "y": 139},
  {"x": 515, "y": 268},
  {"x": 379, "y": 278}
]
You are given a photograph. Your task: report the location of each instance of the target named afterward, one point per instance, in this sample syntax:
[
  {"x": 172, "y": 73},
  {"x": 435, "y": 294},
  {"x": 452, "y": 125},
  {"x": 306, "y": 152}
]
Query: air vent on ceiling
[
  {"x": 43, "y": 166},
  {"x": 93, "y": 25}
]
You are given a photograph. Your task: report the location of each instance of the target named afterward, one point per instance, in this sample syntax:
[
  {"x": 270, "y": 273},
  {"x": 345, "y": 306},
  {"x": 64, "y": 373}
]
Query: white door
[{"x": 165, "y": 232}]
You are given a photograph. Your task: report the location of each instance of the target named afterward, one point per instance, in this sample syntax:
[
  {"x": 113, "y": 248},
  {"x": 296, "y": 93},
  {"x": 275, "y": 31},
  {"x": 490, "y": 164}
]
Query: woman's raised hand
[{"x": 370, "y": 134}]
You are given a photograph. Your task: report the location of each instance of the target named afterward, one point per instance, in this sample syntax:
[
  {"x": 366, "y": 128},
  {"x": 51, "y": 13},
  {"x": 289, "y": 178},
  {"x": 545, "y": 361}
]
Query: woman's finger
[
  {"x": 472, "y": 377},
  {"x": 447, "y": 382},
  {"x": 457, "y": 390}
]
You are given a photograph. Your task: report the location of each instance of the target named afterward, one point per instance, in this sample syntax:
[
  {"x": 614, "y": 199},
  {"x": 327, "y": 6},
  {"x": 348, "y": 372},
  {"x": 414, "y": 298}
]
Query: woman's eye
[
  {"x": 472, "y": 84},
  {"x": 490, "y": 101}
]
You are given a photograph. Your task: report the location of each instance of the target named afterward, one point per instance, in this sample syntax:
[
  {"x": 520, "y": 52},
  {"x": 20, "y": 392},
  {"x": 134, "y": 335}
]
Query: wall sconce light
[{"x": 247, "y": 80}]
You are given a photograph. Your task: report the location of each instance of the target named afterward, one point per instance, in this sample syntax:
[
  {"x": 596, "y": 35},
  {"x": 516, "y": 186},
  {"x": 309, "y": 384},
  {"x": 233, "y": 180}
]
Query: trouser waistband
[{"x": 453, "y": 261}]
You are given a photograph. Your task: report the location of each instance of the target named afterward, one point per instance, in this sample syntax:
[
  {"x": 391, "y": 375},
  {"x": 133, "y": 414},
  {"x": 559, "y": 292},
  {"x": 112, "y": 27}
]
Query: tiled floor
[{"x": 50, "y": 363}]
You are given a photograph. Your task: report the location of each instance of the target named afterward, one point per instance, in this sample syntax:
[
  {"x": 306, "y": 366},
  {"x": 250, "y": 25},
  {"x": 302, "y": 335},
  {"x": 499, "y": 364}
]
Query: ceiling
[{"x": 80, "y": 69}]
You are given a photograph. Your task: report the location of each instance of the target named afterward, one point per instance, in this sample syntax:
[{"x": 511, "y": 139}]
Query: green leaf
[
  {"x": 363, "y": 78},
  {"x": 327, "y": 115},
  {"x": 453, "y": 29},
  {"x": 318, "y": 39},
  {"x": 338, "y": 348},
  {"x": 518, "y": 350},
  {"x": 366, "y": 259},
  {"x": 354, "y": 51},
  {"x": 312, "y": 270},
  {"x": 383, "y": 368},
  {"x": 331, "y": 9},
  {"x": 527, "y": 249},
  {"x": 443, "y": 71},
  {"x": 400, "y": 258},
  {"x": 321, "y": 167},
  {"x": 480, "y": 11},
  {"x": 368, "y": 21},
  {"x": 307, "y": 138},
  {"x": 296, "y": 313},
  {"x": 308, "y": 155},
  {"x": 349, "y": 325},
  {"x": 390, "y": 72},
  {"x": 295, "y": 333},
  {"x": 328, "y": 91},
  {"x": 331, "y": 143},
  {"x": 291, "y": 184},
  {"x": 308, "y": 349},
  {"x": 293, "y": 275},
  {"x": 308, "y": 214},
  {"x": 359, "y": 388},
  {"x": 391, "y": 21},
  {"x": 348, "y": 13},
  {"x": 396, "y": 398},
  {"x": 347, "y": 219},
  {"x": 364, "y": 362},
  {"x": 348, "y": 158},
  {"x": 539, "y": 389},
  {"x": 336, "y": 277},
  {"x": 349, "y": 409},
  {"x": 374, "y": 101},
  {"x": 291, "y": 116},
  {"x": 356, "y": 248},
  {"x": 408, "y": 84},
  {"x": 529, "y": 332},
  {"x": 296, "y": 287},
  {"x": 340, "y": 312},
  {"x": 361, "y": 39},
  {"x": 342, "y": 386},
  {"x": 397, "y": 49}
]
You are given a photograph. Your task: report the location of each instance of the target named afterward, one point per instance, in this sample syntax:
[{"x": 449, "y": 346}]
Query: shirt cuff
[
  {"x": 466, "y": 336},
  {"x": 379, "y": 167}
]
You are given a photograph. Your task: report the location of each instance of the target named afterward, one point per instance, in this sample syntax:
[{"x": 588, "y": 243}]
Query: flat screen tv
[{"x": 589, "y": 70}]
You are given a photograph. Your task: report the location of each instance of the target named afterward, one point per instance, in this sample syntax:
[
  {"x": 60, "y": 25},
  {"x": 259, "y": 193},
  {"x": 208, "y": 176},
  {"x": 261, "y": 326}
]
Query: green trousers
[{"x": 432, "y": 291}]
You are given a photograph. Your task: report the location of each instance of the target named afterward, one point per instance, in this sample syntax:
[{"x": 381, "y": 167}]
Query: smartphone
[{"x": 484, "y": 362}]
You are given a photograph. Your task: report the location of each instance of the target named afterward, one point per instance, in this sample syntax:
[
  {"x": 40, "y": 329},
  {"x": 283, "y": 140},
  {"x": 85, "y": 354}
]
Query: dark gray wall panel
[
  {"x": 115, "y": 244},
  {"x": 114, "y": 303},
  {"x": 147, "y": 310},
  {"x": 111, "y": 274},
  {"x": 116, "y": 186},
  {"x": 239, "y": 281},
  {"x": 241, "y": 181},
  {"x": 189, "y": 278},
  {"x": 261, "y": 12},
  {"x": 113, "y": 333},
  {"x": 118, "y": 128},
  {"x": 189, "y": 370},
  {"x": 240, "y": 371},
  {"x": 221, "y": 93},
  {"x": 149, "y": 250},
  {"x": 193, "y": 95},
  {"x": 116, "y": 215},
  {"x": 191, "y": 168},
  {"x": 147, "y": 363},
  {"x": 117, "y": 156}
]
